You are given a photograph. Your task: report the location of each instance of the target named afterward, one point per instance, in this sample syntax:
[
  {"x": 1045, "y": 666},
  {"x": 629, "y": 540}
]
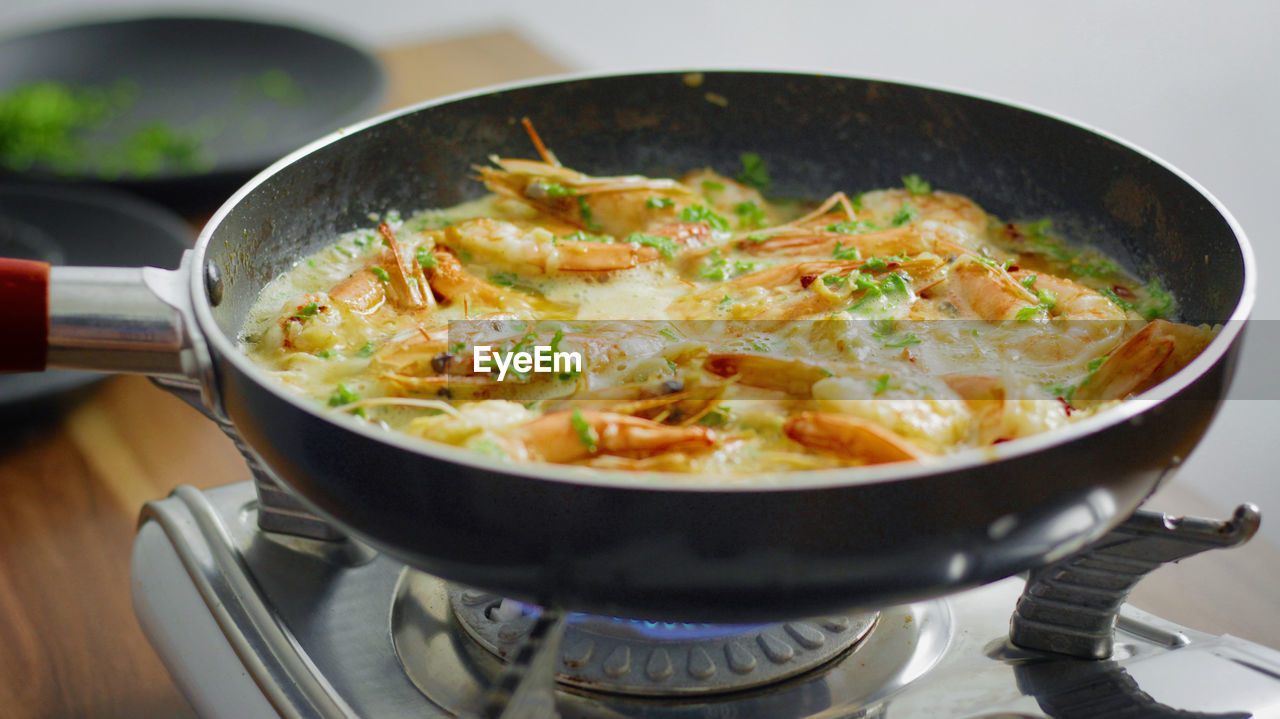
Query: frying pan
[{"x": 664, "y": 546}]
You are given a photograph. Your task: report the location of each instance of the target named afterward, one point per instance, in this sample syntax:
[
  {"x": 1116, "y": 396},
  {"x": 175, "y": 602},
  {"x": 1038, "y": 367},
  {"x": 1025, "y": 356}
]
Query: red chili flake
[
  {"x": 1002, "y": 440},
  {"x": 1014, "y": 233},
  {"x": 1012, "y": 268},
  {"x": 1066, "y": 406},
  {"x": 1122, "y": 291},
  {"x": 807, "y": 280}
]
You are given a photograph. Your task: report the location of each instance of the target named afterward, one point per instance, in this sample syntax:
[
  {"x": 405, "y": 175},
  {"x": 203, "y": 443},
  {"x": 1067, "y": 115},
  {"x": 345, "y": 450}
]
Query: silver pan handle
[{"x": 107, "y": 319}]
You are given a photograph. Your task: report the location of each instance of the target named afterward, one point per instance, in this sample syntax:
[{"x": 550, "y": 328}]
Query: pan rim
[{"x": 1128, "y": 411}]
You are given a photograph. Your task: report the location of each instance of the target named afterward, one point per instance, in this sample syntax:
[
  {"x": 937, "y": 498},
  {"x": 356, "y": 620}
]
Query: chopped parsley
[
  {"x": 557, "y": 190},
  {"x": 380, "y": 273},
  {"x": 586, "y": 433},
  {"x": 1096, "y": 268},
  {"x": 1158, "y": 303},
  {"x": 425, "y": 259},
  {"x": 750, "y": 215},
  {"x": 366, "y": 350},
  {"x": 1046, "y": 300},
  {"x": 846, "y": 253},
  {"x": 906, "y": 340},
  {"x": 581, "y": 236},
  {"x": 717, "y": 417},
  {"x": 888, "y": 292},
  {"x": 669, "y": 333},
  {"x": 664, "y": 245},
  {"x": 505, "y": 279},
  {"x": 457, "y": 348},
  {"x": 835, "y": 281},
  {"x": 882, "y": 384},
  {"x": 308, "y": 310},
  {"x": 754, "y": 171},
  {"x": 852, "y": 227},
  {"x": 915, "y": 185},
  {"x": 905, "y": 214},
  {"x": 325, "y": 354},
  {"x": 720, "y": 270},
  {"x": 1028, "y": 281},
  {"x": 710, "y": 186},
  {"x": 588, "y": 218},
  {"x": 880, "y": 264},
  {"x": 1116, "y": 299},
  {"x": 343, "y": 395},
  {"x": 700, "y": 213},
  {"x": 658, "y": 203}
]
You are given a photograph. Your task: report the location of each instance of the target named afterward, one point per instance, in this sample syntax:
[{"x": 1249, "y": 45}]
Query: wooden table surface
[{"x": 72, "y": 483}]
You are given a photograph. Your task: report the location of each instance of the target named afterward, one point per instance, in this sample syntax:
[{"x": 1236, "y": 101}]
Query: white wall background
[{"x": 1198, "y": 83}]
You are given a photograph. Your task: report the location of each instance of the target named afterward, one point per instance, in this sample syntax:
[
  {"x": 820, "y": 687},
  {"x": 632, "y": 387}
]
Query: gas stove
[{"x": 255, "y": 623}]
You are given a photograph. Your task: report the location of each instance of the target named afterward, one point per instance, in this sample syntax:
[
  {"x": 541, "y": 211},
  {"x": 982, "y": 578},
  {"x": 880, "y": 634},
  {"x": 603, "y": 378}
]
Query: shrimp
[
  {"x": 506, "y": 244},
  {"x": 958, "y": 211},
  {"x": 571, "y": 435},
  {"x": 909, "y": 240},
  {"x": 617, "y": 206},
  {"x": 366, "y": 290},
  {"x": 795, "y": 377},
  {"x": 1145, "y": 360},
  {"x": 850, "y": 438},
  {"x": 454, "y": 284},
  {"x": 362, "y": 292}
]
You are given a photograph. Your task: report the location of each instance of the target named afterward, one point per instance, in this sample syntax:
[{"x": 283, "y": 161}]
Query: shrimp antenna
[{"x": 547, "y": 156}]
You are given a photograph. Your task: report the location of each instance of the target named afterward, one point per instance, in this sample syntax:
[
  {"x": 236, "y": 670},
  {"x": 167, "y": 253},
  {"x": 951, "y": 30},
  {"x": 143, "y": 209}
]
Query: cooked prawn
[
  {"x": 555, "y": 438},
  {"x": 850, "y": 438},
  {"x": 1144, "y": 360}
]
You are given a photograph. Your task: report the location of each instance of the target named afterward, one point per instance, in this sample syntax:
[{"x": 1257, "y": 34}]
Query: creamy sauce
[{"x": 720, "y": 334}]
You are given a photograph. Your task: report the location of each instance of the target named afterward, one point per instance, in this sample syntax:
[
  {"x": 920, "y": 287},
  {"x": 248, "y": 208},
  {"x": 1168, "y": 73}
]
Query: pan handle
[
  {"x": 24, "y": 314},
  {"x": 108, "y": 319}
]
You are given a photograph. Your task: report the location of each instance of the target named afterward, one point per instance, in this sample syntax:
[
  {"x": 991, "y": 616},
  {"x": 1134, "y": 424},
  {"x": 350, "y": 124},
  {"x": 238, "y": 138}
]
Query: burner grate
[{"x": 645, "y": 658}]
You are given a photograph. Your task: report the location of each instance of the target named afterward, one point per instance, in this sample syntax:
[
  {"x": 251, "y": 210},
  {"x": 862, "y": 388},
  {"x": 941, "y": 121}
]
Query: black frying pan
[{"x": 662, "y": 547}]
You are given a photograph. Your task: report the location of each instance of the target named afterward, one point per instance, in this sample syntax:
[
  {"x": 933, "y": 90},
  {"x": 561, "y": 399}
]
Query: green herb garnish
[
  {"x": 846, "y": 253},
  {"x": 425, "y": 258},
  {"x": 586, "y": 433},
  {"x": 700, "y": 213},
  {"x": 665, "y": 245},
  {"x": 754, "y": 171},
  {"x": 905, "y": 214},
  {"x": 505, "y": 279},
  {"x": 366, "y": 350},
  {"x": 915, "y": 185},
  {"x": 658, "y": 203},
  {"x": 750, "y": 214},
  {"x": 343, "y": 395},
  {"x": 380, "y": 273},
  {"x": 881, "y": 384},
  {"x": 907, "y": 339},
  {"x": 588, "y": 219}
]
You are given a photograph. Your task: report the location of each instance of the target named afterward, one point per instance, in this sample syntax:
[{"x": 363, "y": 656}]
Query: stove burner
[{"x": 627, "y": 656}]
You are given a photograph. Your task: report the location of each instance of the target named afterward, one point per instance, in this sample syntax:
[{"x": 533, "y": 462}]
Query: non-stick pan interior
[{"x": 816, "y": 133}]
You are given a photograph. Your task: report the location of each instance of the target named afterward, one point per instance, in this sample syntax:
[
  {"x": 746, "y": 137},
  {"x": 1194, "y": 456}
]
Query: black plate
[
  {"x": 80, "y": 226},
  {"x": 205, "y": 76}
]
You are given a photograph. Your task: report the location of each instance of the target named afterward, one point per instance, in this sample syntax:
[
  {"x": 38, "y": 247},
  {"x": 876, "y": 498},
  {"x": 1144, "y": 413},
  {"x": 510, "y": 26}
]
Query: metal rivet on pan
[{"x": 213, "y": 283}]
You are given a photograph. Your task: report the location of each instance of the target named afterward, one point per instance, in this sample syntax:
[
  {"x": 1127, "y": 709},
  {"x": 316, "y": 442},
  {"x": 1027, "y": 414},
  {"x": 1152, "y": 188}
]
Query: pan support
[{"x": 1071, "y": 607}]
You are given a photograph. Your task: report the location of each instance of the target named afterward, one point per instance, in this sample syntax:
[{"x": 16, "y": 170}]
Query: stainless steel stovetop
[{"x": 258, "y": 624}]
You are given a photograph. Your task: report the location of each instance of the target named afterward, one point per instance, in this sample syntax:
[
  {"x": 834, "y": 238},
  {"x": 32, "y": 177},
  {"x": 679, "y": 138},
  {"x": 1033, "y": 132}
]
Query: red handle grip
[{"x": 24, "y": 315}]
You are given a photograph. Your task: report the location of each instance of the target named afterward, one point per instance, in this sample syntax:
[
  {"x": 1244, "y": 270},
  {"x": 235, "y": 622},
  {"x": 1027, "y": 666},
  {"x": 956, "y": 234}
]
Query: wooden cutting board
[{"x": 71, "y": 486}]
